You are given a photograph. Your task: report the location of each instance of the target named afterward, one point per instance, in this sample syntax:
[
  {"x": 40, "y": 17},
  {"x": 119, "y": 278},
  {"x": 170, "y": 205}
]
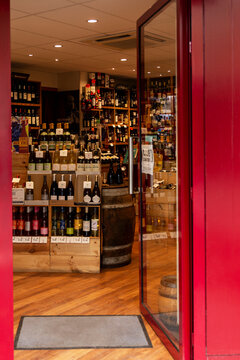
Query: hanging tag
[
  {"x": 59, "y": 131},
  {"x": 62, "y": 184},
  {"x": 29, "y": 185},
  {"x": 16, "y": 180},
  {"x": 39, "y": 154},
  {"x": 87, "y": 184}
]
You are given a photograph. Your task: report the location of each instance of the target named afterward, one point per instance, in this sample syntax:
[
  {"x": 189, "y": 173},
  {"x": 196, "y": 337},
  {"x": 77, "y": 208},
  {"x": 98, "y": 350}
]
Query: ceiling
[{"x": 37, "y": 25}]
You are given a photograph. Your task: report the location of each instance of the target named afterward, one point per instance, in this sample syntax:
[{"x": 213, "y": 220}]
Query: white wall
[
  {"x": 69, "y": 81},
  {"x": 47, "y": 79}
]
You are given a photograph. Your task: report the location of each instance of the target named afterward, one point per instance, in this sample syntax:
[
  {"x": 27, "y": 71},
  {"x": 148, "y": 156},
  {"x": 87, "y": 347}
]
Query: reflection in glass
[{"x": 159, "y": 172}]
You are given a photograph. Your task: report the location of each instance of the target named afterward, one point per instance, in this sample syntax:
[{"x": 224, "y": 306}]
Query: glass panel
[{"x": 159, "y": 172}]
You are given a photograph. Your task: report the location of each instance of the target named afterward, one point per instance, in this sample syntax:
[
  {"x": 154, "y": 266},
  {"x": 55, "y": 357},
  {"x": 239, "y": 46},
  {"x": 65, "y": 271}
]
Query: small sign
[
  {"x": 16, "y": 180},
  {"x": 29, "y": 185},
  {"x": 35, "y": 240},
  {"x": 87, "y": 184},
  {"x": 63, "y": 153},
  {"x": 62, "y": 184},
  {"x": 85, "y": 240},
  {"x": 59, "y": 131},
  {"x": 173, "y": 234},
  {"x": 39, "y": 154},
  {"x": 147, "y": 159},
  {"x": 88, "y": 155}
]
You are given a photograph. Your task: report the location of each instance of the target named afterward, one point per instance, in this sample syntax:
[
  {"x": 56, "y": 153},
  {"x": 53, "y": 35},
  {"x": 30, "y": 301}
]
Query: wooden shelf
[
  {"x": 25, "y": 104},
  {"x": 108, "y": 107},
  {"x": 121, "y": 108},
  {"x": 34, "y": 127}
]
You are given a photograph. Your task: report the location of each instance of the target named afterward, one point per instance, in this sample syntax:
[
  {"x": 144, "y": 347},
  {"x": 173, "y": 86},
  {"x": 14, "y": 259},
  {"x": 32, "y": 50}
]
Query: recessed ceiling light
[
  {"x": 160, "y": 75},
  {"x": 92, "y": 21},
  {"x": 169, "y": 71},
  {"x": 30, "y": 54},
  {"x": 158, "y": 67},
  {"x": 149, "y": 72},
  {"x": 113, "y": 68},
  {"x": 134, "y": 70},
  {"x": 123, "y": 59},
  {"x": 56, "y": 59},
  {"x": 57, "y": 45}
]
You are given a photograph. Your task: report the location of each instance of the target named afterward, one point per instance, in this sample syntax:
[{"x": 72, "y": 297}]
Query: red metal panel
[
  {"x": 222, "y": 149},
  {"x": 6, "y": 279}
]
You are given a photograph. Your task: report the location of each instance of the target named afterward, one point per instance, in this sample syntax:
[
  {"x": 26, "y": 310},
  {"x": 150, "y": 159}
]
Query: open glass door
[{"x": 163, "y": 75}]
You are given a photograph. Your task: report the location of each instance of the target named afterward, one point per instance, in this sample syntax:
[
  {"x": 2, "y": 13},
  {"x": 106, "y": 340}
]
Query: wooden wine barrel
[
  {"x": 167, "y": 301},
  {"x": 118, "y": 226}
]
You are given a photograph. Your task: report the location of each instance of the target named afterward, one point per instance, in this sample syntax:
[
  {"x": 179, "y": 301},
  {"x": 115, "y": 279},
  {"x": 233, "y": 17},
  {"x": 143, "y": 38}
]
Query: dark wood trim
[{"x": 46, "y": 88}]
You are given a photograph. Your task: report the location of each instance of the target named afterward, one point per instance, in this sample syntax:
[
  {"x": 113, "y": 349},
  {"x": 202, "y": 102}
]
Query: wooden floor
[{"x": 111, "y": 292}]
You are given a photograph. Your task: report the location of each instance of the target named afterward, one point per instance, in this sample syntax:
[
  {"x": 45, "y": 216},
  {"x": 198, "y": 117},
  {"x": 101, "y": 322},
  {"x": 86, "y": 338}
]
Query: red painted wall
[{"x": 6, "y": 279}]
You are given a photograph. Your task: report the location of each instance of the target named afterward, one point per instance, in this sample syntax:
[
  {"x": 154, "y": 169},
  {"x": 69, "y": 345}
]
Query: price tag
[
  {"x": 76, "y": 240},
  {"x": 88, "y": 155},
  {"x": 85, "y": 240},
  {"x": 16, "y": 180},
  {"x": 62, "y": 184},
  {"x": 63, "y": 152},
  {"x": 161, "y": 235},
  {"x": 147, "y": 236},
  {"x": 43, "y": 240},
  {"x": 54, "y": 239},
  {"x": 59, "y": 131},
  {"x": 173, "y": 234},
  {"x": 29, "y": 185},
  {"x": 35, "y": 240},
  {"x": 87, "y": 184},
  {"x": 39, "y": 154}
]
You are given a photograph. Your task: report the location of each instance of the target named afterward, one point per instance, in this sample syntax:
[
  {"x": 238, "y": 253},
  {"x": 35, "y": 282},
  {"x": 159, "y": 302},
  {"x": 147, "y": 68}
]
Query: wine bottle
[
  {"x": 70, "y": 189},
  {"x": 70, "y": 222},
  {"x": 62, "y": 222},
  {"x": 35, "y": 222},
  {"x": 43, "y": 137},
  {"x": 96, "y": 160},
  {"x": 44, "y": 222},
  {"x": 95, "y": 223},
  {"x": 54, "y": 189},
  {"x": 86, "y": 224},
  {"x": 20, "y": 222},
  {"x": 14, "y": 220},
  {"x": 54, "y": 222},
  {"x": 64, "y": 159},
  {"x": 47, "y": 160},
  {"x": 67, "y": 137},
  {"x": 59, "y": 136},
  {"x": 119, "y": 175},
  {"x": 72, "y": 160},
  {"x": 111, "y": 175},
  {"x": 32, "y": 160},
  {"x": 39, "y": 159},
  {"x": 27, "y": 227},
  {"x": 78, "y": 223},
  {"x": 52, "y": 138},
  {"x": 96, "y": 192},
  {"x": 62, "y": 189},
  {"x": 87, "y": 195},
  {"x": 45, "y": 189},
  {"x": 88, "y": 160},
  {"x": 29, "y": 190},
  {"x": 80, "y": 160},
  {"x": 56, "y": 159}
]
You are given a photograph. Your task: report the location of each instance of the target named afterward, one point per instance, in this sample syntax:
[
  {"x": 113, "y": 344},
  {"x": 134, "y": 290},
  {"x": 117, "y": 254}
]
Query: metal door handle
[{"x": 130, "y": 165}]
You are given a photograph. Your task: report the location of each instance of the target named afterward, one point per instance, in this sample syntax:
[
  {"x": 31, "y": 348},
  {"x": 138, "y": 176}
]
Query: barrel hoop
[
  {"x": 169, "y": 281},
  {"x": 115, "y": 192},
  {"x": 109, "y": 248},
  {"x": 169, "y": 296},
  {"x": 117, "y": 206},
  {"x": 116, "y": 260}
]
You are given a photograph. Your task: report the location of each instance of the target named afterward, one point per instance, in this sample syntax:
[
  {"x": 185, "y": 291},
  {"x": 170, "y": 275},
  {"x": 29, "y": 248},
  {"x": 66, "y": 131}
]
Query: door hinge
[{"x": 190, "y": 47}]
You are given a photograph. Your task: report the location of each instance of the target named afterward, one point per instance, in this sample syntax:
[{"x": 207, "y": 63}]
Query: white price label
[
  {"x": 29, "y": 185},
  {"x": 39, "y": 154},
  {"x": 85, "y": 240},
  {"x": 87, "y": 184},
  {"x": 88, "y": 155},
  {"x": 54, "y": 239},
  {"x": 161, "y": 235},
  {"x": 173, "y": 234},
  {"x": 75, "y": 240},
  {"x": 43, "y": 239},
  {"x": 71, "y": 167},
  {"x": 15, "y": 180},
  {"x": 63, "y": 152},
  {"x": 35, "y": 240},
  {"x": 62, "y": 184},
  {"x": 59, "y": 131}
]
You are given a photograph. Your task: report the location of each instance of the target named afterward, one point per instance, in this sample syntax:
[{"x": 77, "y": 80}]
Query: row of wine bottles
[
  {"x": 29, "y": 114},
  {"x": 30, "y": 221},
  {"x": 24, "y": 92}
]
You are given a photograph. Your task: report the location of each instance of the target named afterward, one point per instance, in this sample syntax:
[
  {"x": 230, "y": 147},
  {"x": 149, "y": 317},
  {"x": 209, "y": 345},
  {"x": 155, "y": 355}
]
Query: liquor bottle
[
  {"x": 54, "y": 189},
  {"x": 28, "y": 223},
  {"x": 32, "y": 160},
  {"x": 62, "y": 222},
  {"x": 29, "y": 117},
  {"x": 20, "y": 94},
  {"x": 96, "y": 192},
  {"x": 64, "y": 159},
  {"x": 70, "y": 222},
  {"x": 70, "y": 189},
  {"x": 95, "y": 223},
  {"x": 87, "y": 194},
  {"x": 96, "y": 160},
  {"x": 72, "y": 159},
  {"x": 45, "y": 189},
  {"x": 44, "y": 222},
  {"x": 59, "y": 136},
  {"x": 111, "y": 175},
  {"x": 39, "y": 159},
  {"x": 54, "y": 222},
  {"x": 81, "y": 160},
  {"x": 67, "y": 137},
  {"x": 14, "y": 220},
  {"x": 119, "y": 175},
  {"x": 47, "y": 160},
  {"x": 43, "y": 137},
  {"x": 29, "y": 191},
  {"x": 24, "y": 93},
  {"x": 20, "y": 222},
  {"x": 86, "y": 223},
  {"x": 78, "y": 223},
  {"x": 56, "y": 159},
  {"x": 51, "y": 138},
  {"x": 37, "y": 119},
  {"x": 62, "y": 189}
]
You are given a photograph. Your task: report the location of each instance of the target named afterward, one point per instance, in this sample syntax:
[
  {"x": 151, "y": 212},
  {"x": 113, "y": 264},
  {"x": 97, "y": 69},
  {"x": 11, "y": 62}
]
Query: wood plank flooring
[{"x": 112, "y": 292}]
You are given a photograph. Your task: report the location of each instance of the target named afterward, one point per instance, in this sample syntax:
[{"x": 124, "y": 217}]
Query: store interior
[{"x": 77, "y": 214}]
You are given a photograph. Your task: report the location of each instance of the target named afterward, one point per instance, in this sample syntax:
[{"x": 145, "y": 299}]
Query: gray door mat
[{"x": 81, "y": 332}]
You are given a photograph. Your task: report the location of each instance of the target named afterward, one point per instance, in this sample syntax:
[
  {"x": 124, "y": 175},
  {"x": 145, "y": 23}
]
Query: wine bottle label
[
  {"x": 61, "y": 198},
  {"x": 39, "y": 167},
  {"x": 24, "y": 96},
  {"x": 87, "y": 184},
  {"x": 94, "y": 224},
  {"x": 70, "y": 197},
  {"x": 35, "y": 224},
  {"x": 80, "y": 167},
  {"x": 62, "y": 184},
  {"x": 39, "y": 154},
  {"x": 27, "y": 225},
  {"x": 60, "y": 144},
  {"x": 87, "y": 199},
  {"x": 69, "y": 231},
  {"x": 96, "y": 199},
  {"x": 88, "y": 167},
  {"x": 44, "y": 231},
  {"x": 29, "y": 184},
  {"x": 44, "y": 197},
  {"x": 33, "y": 96},
  {"x": 14, "y": 224},
  {"x": 72, "y": 167},
  {"x": 63, "y": 153},
  {"x": 68, "y": 144},
  {"x": 86, "y": 225},
  {"x": 51, "y": 145},
  {"x": 56, "y": 167},
  {"x": 20, "y": 96},
  {"x": 64, "y": 167},
  {"x": 53, "y": 197},
  {"x": 20, "y": 224},
  {"x": 43, "y": 145},
  {"x": 47, "y": 166},
  {"x": 59, "y": 131},
  {"x": 88, "y": 155},
  {"x": 29, "y": 97},
  {"x": 15, "y": 95},
  {"x": 62, "y": 225},
  {"x": 78, "y": 224}
]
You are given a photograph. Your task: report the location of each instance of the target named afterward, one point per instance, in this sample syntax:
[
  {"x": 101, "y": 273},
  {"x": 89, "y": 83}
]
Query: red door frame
[
  {"x": 6, "y": 270},
  {"x": 184, "y": 173}
]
